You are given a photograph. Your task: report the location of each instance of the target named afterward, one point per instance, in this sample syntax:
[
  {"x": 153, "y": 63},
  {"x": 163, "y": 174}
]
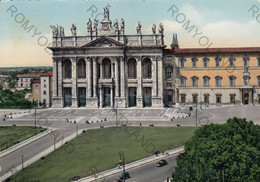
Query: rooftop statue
[
  {"x": 73, "y": 30},
  {"x": 115, "y": 24},
  {"x": 89, "y": 25},
  {"x": 154, "y": 28},
  {"x": 54, "y": 31},
  {"x": 106, "y": 13},
  {"x": 138, "y": 28},
  {"x": 160, "y": 29},
  {"x": 95, "y": 24},
  {"x": 122, "y": 24}
]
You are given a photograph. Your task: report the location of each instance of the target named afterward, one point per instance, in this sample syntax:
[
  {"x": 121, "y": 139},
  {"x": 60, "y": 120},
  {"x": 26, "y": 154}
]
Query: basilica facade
[{"x": 107, "y": 68}]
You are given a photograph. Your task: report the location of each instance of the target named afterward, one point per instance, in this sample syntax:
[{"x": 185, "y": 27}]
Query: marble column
[
  {"x": 116, "y": 78},
  {"x": 74, "y": 84},
  {"x": 111, "y": 97},
  {"x": 89, "y": 73},
  {"x": 112, "y": 70},
  {"x": 100, "y": 70},
  {"x": 122, "y": 69},
  {"x": 94, "y": 77},
  {"x": 55, "y": 77},
  {"x": 154, "y": 76},
  {"x": 100, "y": 97},
  {"x": 139, "y": 103}
]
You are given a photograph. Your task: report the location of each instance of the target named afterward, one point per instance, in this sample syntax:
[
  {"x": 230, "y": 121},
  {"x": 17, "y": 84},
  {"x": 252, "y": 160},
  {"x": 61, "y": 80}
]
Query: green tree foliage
[
  {"x": 222, "y": 152},
  {"x": 14, "y": 100}
]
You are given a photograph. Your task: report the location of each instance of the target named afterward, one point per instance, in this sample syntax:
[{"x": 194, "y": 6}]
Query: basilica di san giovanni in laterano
[{"x": 107, "y": 68}]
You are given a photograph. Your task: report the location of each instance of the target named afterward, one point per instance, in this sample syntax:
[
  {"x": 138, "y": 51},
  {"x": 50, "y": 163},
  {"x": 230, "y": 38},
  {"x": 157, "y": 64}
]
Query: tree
[{"x": 222, "y": 152}]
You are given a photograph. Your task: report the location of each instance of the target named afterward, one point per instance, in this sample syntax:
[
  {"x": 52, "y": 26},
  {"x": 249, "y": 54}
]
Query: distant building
[
  {"x": 46, "y": 81},
  {"x": 24, "y": 80},
  {"x": 36, "y": 92}
]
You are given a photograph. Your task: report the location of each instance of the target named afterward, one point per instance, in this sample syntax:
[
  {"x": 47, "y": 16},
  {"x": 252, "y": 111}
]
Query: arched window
[
  {"x": 183, "y": 81},
  {"x": 258, "y": 80},
  {"x": 246, "y": 60},
  {"x": 106, "y": 64},
  {"x": 206, "y": 81},
  {"x": 231, "y": 62},
  {"x": 205, "y": 62},
  {"x": 218, "y": 81},
  {"x": 168, "y": 72},
  {"x": 131, "y": 68},
  {"x": 66, "y": 68},
  {"x": 194, "y": 81},
  {"x": 232, "y": 80},
  {"x": 194, "y": 62},
  {"x": 246, "y": 80},
  {"x": 182, "y": 62},
  {"x": 217, "y": 61},
  {"x": 81, "y": 68},
  {"x": 147, "y": 68}
]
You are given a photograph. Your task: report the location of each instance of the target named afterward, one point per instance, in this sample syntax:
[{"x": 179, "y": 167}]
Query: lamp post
[
  {"x": 122, "y": 158},
  {"x": 35, "y": 121}
]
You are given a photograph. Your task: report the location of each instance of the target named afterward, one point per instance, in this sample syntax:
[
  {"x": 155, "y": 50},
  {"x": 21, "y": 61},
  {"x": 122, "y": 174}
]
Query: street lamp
[
  {"x": 35, "y": 121},
  {"x": 122, "y": 158}
]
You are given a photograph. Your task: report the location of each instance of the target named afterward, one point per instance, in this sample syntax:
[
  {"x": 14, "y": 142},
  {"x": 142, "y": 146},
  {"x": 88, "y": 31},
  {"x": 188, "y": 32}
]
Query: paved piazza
[{"x": 159, "y": 117}]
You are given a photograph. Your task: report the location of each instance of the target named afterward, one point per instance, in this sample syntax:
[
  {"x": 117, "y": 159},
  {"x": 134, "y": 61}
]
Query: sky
[{"x": 198, "y": 23}]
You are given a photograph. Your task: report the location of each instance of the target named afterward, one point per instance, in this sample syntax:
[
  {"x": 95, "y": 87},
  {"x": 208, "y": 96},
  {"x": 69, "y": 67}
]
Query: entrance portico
[{"x": 246, "y": 95}]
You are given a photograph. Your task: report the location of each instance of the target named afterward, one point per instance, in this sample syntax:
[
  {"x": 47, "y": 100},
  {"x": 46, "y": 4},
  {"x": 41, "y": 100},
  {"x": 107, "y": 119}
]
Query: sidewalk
[
  {"x": 132, "y": 165},
  {"x": 24, "y": 143}
]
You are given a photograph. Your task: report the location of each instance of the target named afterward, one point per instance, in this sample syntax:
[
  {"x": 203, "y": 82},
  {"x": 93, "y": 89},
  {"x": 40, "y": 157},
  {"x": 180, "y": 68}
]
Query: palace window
[
  {"x": 232, "y": 98},
  {"x": 231, "y": 62},
  {"x": 194, "y": 81},
  {"x": 182, "y": 61},
  {"x": 21, "y": 80},
  {"x": 206, "y": 81},
  {"x": 246, "y": 60},
  {"x": 44, "y": 92},
  {"x": 258, "y": 80},
  {"x": 206, "y": 98},
  {"x": 168, "y": 58},
  {"x": 218, "y": 81},
  {"x": 218, "y": 98},
  {"x": 217, "y": 61},
  {"x": 232, "y": 80},
  {"x": 183, "y": 81},
  {"x": 21, "y": 84},
  {"x": 258, "y": 61},
  {"x": 183, "y": 98},
  {"x": 36, "y": 92},
  {"x": 194, "y": 62},
  {"x": 169, "y": 73},
  {"x": 205, "y": 62},
  {"x": 246, "y": 81},
  {"x": 195, "y": 98}
]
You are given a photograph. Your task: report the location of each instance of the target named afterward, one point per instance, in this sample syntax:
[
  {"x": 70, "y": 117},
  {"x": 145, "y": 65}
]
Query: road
[{"x": 148, "y": 172}]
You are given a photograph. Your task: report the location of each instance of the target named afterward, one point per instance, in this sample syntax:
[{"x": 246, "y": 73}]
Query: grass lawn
[
  {"x": 11, "y": 135},
  {"x": 99, "y": 148}
]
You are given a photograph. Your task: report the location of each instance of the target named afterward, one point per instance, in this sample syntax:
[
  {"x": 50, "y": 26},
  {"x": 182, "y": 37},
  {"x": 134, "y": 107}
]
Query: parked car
[
  {"x": 180, "y": 155},
  {"x": 161, "y": 163},
  {"x": 121, "y": 177}
]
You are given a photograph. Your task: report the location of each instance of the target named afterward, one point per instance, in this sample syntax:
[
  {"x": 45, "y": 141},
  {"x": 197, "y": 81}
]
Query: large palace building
[{"x": 107, "y": 68}]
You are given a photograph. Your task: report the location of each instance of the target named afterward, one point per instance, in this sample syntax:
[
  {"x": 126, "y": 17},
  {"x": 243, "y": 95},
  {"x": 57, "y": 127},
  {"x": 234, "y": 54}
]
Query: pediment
[{"x": 104, "y": 42}]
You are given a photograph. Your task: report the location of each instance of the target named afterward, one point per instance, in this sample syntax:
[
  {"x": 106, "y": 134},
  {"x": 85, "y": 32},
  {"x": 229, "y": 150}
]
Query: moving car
[
  {"x": 161, "y": 163},
  {"x": 120, "y": 178}
]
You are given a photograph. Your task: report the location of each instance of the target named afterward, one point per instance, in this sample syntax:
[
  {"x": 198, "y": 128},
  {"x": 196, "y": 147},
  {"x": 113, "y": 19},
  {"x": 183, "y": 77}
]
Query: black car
[{"x": 162, "y": 163}]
